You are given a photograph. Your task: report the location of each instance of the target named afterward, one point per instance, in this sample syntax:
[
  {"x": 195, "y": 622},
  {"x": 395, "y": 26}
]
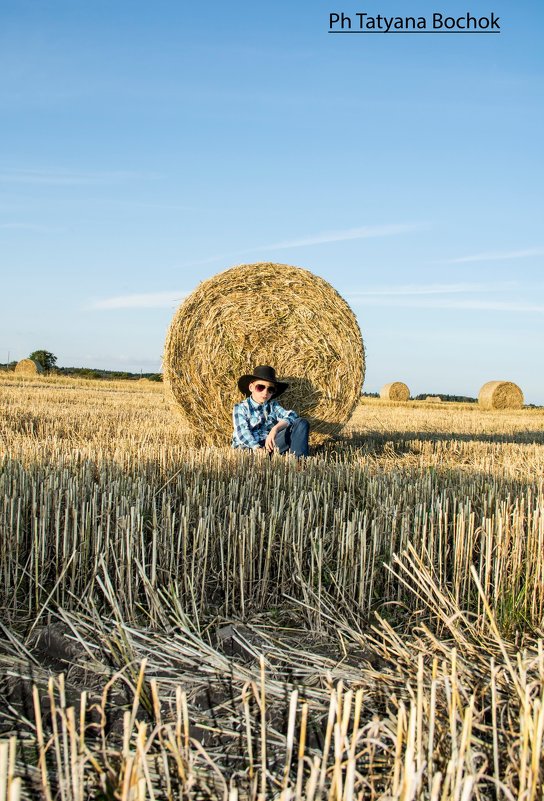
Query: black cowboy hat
[{"x": 264, "y": 373}]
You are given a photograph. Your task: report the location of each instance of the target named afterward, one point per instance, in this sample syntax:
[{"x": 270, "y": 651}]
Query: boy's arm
[
  {"x": 284, "y": 418},
  {"x": 241, "y": 429}
]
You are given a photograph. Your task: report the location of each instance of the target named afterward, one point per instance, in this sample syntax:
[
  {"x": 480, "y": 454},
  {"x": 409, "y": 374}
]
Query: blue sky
[{"x": 147, "y": 146}]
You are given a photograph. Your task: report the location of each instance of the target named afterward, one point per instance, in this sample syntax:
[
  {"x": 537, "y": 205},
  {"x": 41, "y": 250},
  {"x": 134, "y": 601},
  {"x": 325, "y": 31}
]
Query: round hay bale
[
  {"x": 395, "y": 391},
  {"x": 500, "y": 395},
  {"x": 28, "y": 367},
  {"x": 433, "y": 399},
  {"x": 264, "y": 314}
]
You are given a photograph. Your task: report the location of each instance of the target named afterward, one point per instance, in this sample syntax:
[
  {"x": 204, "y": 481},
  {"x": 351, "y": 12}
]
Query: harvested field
[{"x": 182, "y": 623}]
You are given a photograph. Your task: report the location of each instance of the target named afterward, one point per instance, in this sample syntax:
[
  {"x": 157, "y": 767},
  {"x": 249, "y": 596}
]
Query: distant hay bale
[
  {"x": 500, "y": 395},
  {"x": 434, "y": 399},
  {"x": 28, "y": 367},
  {"x": 264, "y": 314},
  {"x": 395, "y": 391}
]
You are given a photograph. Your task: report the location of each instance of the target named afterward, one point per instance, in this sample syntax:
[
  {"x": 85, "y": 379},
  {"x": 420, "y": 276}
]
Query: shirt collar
[{"x": 253, "y": 405}]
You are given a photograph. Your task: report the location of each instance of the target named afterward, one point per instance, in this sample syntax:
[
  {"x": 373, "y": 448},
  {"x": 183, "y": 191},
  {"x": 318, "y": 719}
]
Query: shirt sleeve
[
  {"x": 242, "y": 433},
  {"x": 284, "y": 414}
]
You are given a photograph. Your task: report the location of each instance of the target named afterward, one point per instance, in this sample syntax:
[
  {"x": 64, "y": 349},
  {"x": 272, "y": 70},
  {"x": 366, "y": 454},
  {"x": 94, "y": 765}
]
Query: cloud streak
[
  {"x": 163, "y": 300},
  {"x": 42, "y": 229},
  {"x": 149, "y": 300},
  {"x": 344, "y": 235},
  {"x": 70, "y": 178},
  {"x": 341, "y": 235},
  {"x": 444, "y": 296},
  {"x": 498, "y": 255},
  {"x": 430, "y": 289},
  {"x": 467, "y": 304}
]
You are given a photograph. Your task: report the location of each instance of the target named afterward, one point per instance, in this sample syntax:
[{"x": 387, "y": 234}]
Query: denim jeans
[{"x": 294, "y": 438}]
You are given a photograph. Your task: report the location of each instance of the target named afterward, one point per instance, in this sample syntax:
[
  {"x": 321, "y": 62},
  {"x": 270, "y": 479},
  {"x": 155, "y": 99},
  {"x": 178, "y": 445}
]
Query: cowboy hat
[{"x": 264, "y": 373}]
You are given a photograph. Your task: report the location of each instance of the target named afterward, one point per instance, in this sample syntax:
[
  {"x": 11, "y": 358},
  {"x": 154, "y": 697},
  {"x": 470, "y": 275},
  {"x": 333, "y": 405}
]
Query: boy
[{"x": 260, "y": 421}]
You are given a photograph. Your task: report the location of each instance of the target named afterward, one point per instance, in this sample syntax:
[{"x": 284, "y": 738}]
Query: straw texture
[
  {"x": 395, "y": 391},
  {"x": 500, "y": 395},
  {"x": 264, "y": 314},
  {"x": 28, "y": 367}
]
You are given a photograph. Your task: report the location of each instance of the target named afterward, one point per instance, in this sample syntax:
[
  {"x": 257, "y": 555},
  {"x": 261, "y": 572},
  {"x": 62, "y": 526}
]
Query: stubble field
[{"x": 182, "y": 623}]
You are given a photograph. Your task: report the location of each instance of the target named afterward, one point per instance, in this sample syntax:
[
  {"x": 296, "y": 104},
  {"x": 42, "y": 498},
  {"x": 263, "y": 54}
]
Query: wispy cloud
[
  {"x": 498, "y": 255},
  {"x": 475, "y": 304},
  {"x": 149, "y": 300},
  {"x": 497, "y": 305},
  {"x": 161, "y": 300},
  {"x": 18, "y": 226},
  {"x": 478, "y": 297},
  {"x": 343, "y": 235},
  {"x": 62, "y": 177},
  {"x": 429, "y": 289}
]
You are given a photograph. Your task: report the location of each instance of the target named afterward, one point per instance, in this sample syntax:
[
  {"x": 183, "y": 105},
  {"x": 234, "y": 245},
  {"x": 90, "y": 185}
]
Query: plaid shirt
[{"x": 253, "y": 421}]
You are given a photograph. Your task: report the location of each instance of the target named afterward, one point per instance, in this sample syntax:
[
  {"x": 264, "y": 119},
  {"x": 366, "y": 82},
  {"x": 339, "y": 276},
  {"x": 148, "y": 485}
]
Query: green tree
[{"x": 45, "y": 358}]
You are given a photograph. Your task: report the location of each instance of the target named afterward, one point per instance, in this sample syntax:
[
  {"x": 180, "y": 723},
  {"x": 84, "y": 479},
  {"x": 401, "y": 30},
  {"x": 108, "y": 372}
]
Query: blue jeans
[{"x": 294, "y": 438}]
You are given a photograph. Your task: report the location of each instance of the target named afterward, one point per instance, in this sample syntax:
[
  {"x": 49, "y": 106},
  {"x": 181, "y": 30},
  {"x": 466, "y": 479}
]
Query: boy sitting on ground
[{"x": 260, "y": 421}]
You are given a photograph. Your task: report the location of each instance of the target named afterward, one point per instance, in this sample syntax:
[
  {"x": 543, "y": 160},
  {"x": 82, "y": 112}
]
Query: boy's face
[{"x": 262, "y": 391}]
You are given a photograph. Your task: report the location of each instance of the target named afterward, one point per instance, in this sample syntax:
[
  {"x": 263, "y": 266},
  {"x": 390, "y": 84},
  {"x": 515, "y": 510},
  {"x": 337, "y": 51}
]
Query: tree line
[{"x": 48, "y": 363}]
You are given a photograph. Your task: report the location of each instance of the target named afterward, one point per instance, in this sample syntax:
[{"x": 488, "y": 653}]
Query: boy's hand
[{"x": 270, "y": 441}]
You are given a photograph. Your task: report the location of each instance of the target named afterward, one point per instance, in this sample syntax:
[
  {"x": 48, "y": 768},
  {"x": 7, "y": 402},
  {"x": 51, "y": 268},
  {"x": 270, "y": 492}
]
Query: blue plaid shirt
[{"x": 253, "y": 421}]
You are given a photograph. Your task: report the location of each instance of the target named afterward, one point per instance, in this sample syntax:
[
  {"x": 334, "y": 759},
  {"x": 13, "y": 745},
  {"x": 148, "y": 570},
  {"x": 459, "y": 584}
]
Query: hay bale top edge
[{"x": 300, "y": 272}]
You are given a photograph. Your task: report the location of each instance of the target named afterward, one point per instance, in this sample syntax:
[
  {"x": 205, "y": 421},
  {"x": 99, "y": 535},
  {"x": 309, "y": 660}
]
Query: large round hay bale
[
  {"x": 500, "y": 395},
  {"x": 395, "y": 391},
  {"x": 28, "y": 367},
  {"x": 264, "y": 314}
]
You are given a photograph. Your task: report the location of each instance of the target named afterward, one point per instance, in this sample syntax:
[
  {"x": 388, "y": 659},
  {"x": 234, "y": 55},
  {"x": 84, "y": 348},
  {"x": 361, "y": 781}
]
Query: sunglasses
[{"x": 262, "y": 387}]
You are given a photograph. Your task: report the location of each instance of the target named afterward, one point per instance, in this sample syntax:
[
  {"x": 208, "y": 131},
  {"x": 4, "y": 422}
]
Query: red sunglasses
[{"x": 262, "y": 387}]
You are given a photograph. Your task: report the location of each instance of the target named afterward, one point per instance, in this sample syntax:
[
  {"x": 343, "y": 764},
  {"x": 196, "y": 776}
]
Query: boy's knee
[{"x": 302, "y": 423}]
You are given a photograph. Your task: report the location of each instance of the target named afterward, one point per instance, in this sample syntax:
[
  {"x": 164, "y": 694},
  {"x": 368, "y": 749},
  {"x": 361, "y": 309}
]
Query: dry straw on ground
[
  {"x": 395, "y": 391},
  {"x": 28, "y": 367},
  {"x": 500, "y": 395},
  {"x": 264, "y": 314},
  {"x": 148, "y": 554}
]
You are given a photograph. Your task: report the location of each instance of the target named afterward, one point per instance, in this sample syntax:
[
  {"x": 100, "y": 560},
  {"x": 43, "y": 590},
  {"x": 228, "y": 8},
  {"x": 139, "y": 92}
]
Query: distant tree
[
  {"x": 107, "y": 375},
  {"x": 451, "y": 398},
  {"x": 45, "y": 358}
]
